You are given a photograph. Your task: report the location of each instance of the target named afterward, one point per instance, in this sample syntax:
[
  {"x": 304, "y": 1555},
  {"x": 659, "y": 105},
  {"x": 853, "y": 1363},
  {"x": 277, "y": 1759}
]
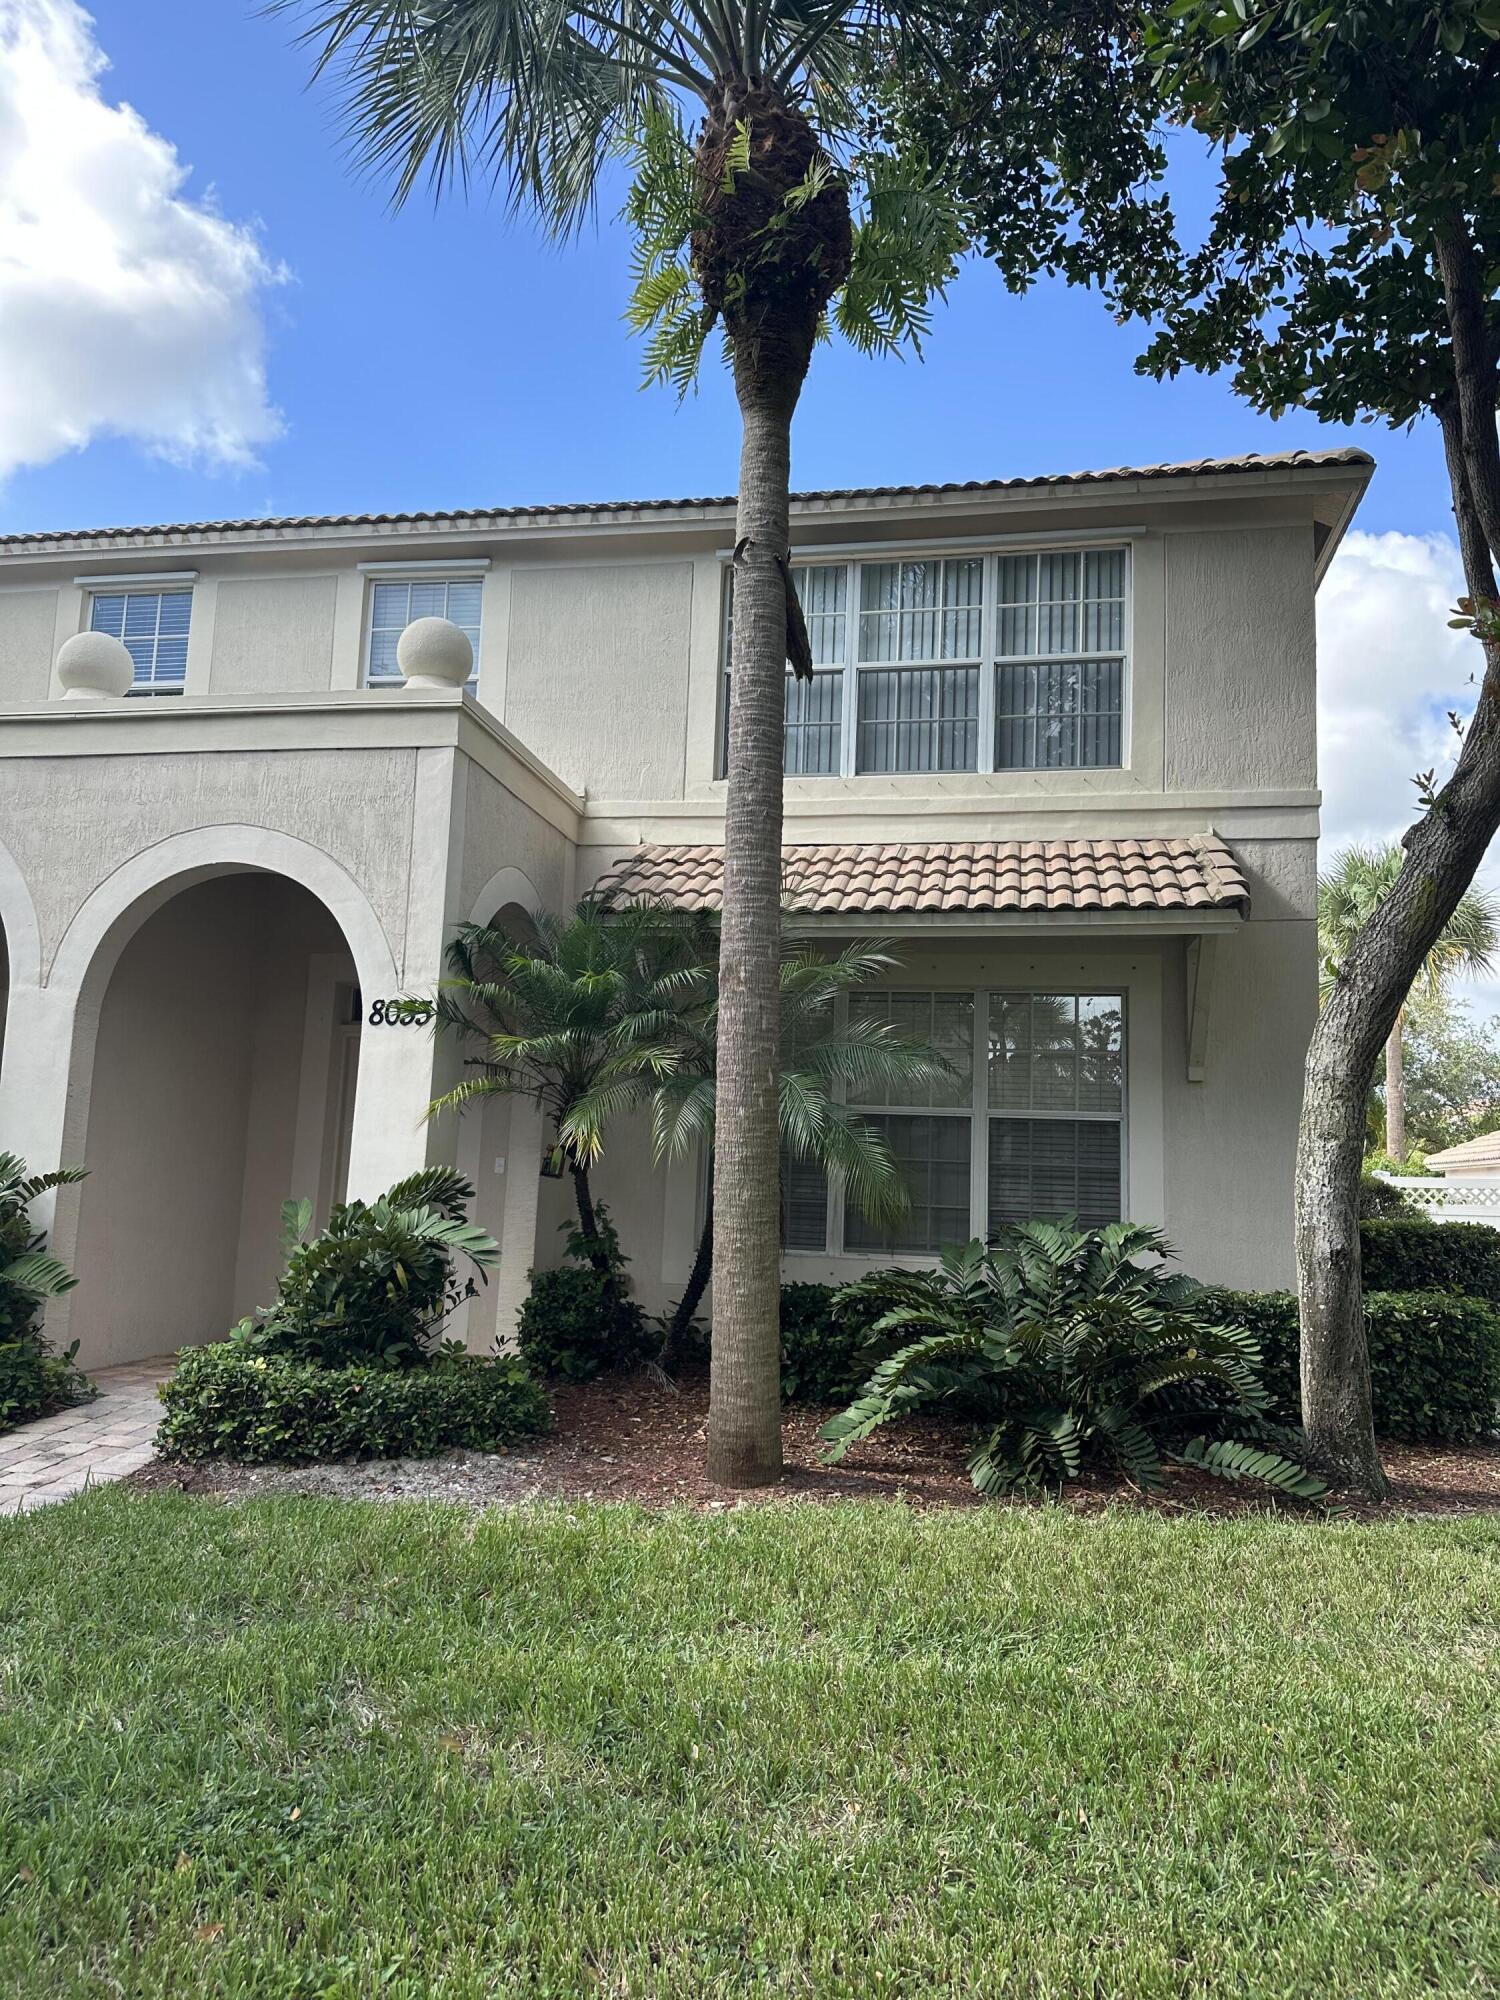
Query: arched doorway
[{"x": 221, "y": 1081}]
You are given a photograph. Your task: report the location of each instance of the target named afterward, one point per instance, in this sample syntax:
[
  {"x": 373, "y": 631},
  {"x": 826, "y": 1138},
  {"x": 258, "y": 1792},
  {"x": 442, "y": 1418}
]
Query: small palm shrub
[
  {"x": 34, "y": 1380},
  {"x": 1070, "y": 1346},
  {"x": 579, "y": 1320},
  {"x": 375, "y": 1286}
]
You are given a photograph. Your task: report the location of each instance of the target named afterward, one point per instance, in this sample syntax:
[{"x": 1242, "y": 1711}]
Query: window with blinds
[
  {"x": 1029, "y": 1127},
  {"x": 1060, "y": 671},
  {"x": 960, "y": 663},
  {"x": 400, "y": 602},
  {"x": 804, "y": 1204},
  {"x": 918, "y": 707},
  {"x": 1056, "y": 1075},
  {"x": 928, "y": 1126},
  {"x": 153, "y": 625}
]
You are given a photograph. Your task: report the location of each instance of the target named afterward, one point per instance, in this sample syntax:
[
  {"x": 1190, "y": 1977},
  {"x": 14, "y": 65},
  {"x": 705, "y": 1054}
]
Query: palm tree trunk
[
  {"x": 1395, "y": 1092},
  {"x": 744, "y": 1424},
  {"x": 687, "y": 1306},
  {"x": 588, "y": 1224}
]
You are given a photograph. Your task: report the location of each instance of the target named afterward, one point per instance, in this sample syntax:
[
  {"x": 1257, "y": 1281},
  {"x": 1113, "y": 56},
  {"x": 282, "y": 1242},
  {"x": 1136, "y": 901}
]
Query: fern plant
[
  {"x": 34, "y": 1380},
  {"x": 377, "y": 1283},
  {"x": 1073, "y": 1345}
]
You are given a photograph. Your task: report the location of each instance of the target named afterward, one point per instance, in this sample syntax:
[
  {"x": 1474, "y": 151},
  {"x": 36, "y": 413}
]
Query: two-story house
[{"x": 1059, "y": 747}]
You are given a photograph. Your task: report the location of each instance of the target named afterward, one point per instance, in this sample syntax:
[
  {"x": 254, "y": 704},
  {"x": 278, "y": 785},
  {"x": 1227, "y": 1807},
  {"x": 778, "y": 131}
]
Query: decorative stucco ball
[
  {"x": 433, "y": 653},
  {"x": 92, "y": 666}
]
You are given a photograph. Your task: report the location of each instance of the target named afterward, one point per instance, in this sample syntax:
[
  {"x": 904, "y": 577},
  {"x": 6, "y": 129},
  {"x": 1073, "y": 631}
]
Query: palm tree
[
  {"x": 748, "y": 225},
  {"x": 551, "y": 1017},
  {"x": 1360, "y": 880},
  {"x": 823, "y": 1060}
]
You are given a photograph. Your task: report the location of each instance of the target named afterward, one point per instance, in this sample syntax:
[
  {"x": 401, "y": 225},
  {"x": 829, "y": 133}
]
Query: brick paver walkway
[{"x": 59, "y": 1456}]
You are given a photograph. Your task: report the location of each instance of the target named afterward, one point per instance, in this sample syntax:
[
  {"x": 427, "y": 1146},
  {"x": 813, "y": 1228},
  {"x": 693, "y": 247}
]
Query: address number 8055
[{"x": 400, "y": 1013}]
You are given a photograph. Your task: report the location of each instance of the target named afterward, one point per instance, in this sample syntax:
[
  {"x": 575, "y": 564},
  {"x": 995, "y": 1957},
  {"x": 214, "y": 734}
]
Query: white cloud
[
  {"x": 1389, "y": 670},
  {"x": 125, "y": 308}
]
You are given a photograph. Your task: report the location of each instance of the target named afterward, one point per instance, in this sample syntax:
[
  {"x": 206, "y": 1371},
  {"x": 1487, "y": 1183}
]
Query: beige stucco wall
[
  {"x": 28, "y": 620},
  {"x": 1241, "y": 652},
  {"x": 597, "y": 674},
  {"x": 71, "y": 821},
  {"x": 500, "y": 832},
  {"x": 1231, "y": 1140},
  {"x": 273, "y": 634}
]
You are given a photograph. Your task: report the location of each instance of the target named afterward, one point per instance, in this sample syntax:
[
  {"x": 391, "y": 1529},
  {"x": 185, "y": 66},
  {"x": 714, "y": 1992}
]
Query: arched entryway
[{"x": 213, "y": 1074}]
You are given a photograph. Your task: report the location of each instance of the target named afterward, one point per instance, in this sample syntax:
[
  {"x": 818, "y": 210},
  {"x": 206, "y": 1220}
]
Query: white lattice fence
[{"x": 1453, "y": 1201}]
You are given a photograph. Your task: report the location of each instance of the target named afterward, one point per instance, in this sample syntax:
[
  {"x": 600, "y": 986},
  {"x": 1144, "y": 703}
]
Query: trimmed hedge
[
  {"x": 225, "y": 1403},
  {"x": 1434, "y": 1358},
  {"x": 1423, "y": 1256}
]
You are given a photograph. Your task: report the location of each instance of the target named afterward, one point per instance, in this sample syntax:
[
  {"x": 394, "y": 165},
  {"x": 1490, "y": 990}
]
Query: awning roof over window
[{"x": 961, "y": 877}]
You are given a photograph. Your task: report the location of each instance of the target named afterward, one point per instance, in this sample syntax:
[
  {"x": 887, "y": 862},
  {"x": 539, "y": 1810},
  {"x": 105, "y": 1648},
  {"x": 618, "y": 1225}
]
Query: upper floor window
[
  {"x": 396, "y": 604},
  {"x": 153, "y": 625},
  {"x": 961, "y": 663}
]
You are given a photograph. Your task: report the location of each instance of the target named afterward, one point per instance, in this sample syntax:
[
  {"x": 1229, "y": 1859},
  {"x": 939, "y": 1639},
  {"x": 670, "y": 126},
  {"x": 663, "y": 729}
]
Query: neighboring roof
[
  {"x": 1481, "y": 1155},
  {"x": 971, "y": 877},
  {"x": 480, "y": 518}
]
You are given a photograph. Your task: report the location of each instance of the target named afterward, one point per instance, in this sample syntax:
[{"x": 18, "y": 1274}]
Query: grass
[{"x": 293, "y": 1748}]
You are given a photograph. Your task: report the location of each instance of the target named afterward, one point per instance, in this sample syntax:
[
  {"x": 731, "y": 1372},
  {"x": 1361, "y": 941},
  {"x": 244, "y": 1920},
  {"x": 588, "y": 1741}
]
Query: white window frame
[
  {"x": 988, "y": 662},
  {"x": 979, "y": 1112},
  {"x": 406, "y": 576},
  {"x": 157, "y": 587}
]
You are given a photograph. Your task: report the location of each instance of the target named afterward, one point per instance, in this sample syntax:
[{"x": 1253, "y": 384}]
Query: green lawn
[{"x": 299, "y": 1747}]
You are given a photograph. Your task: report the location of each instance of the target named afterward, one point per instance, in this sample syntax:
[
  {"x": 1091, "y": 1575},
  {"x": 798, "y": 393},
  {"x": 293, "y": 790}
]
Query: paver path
[{"x": 58, "y": 1456}]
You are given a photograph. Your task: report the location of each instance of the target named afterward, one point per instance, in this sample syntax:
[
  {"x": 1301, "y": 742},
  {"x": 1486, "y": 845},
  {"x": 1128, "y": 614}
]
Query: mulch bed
[{"x": 636, "y": 1438}]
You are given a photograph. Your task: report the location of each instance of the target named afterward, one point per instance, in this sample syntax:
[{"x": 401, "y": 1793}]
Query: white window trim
[
  {"x": 449, "y": 572},
  {"x": 164, "y": 583},
  {"x": 989, "y": 551},
  {"x": 979, "y": 1111}
]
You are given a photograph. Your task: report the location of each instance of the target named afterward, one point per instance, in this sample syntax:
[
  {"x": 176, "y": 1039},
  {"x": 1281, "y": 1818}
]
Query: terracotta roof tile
[
  {"x": 981, "y": 877},
  {"x": 478, "y": 519}
]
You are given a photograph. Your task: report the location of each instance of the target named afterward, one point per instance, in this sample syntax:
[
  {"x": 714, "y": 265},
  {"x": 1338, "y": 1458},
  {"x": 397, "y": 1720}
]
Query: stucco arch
[
  {"x": 506, "y": 886},
  {"x": 23, "y": 936},
  {"x": 105, "y": 923},
  {"x": 101, "y": 934}
]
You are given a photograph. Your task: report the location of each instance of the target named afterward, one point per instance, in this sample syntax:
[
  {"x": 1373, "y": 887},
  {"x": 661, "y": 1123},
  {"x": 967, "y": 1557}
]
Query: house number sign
[{"x": 400, "y": 1013}]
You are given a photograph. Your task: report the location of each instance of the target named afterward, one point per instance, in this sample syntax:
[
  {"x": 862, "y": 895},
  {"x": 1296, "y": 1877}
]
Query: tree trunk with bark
[
  {"x": 687, "y": 1306},
  {"x": 1395, "y": 1092},
  {"x": 1443, "y": 852},
  {"x": 588, "y": 1225},
  {"x": 768, "y": 268}
]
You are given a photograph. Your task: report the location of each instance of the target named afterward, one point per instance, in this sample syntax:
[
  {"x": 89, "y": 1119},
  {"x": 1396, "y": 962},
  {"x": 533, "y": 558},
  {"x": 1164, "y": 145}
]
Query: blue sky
[{"x": 450, "y": 357}]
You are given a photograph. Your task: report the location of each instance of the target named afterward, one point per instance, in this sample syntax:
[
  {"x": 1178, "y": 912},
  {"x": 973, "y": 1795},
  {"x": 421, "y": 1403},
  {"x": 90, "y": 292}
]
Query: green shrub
[
  {"x": 1434, "y": 1359},
  {"x": 34, "y": 1380},
  {"x": 1423, "y": 1256},
  {"x": 578, "y": 1321},
  {"x": 1383, "y": 1201},
  {"x": 227, "y": 1402},
  {"x": 826, "y": 1345},
  {"x": 1069, "y": 1347},
  {"x": 376, "y": 1285},
  {"x": 572, "y": 1327}
]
